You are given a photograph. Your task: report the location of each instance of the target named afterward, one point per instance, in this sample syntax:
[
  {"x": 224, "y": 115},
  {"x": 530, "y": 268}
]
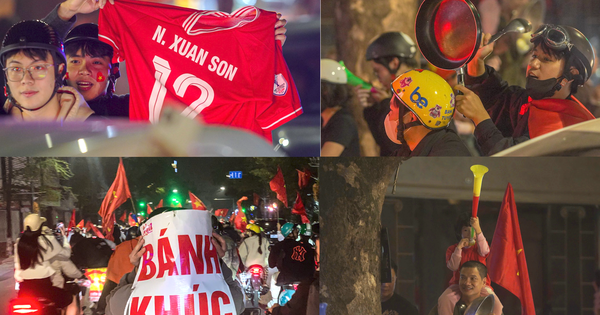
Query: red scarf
[{"x": 551, "y": 114}]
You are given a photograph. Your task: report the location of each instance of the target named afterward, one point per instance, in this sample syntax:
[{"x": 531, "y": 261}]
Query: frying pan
[{"x": 448, "y": 33}]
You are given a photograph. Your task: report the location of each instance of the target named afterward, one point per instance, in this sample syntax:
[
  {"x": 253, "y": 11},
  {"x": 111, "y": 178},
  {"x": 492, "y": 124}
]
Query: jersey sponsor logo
[
  {"x": 194, "y": 26},
  {"x": 298, "y": 254},
  {"x": 281, "y": 86}
]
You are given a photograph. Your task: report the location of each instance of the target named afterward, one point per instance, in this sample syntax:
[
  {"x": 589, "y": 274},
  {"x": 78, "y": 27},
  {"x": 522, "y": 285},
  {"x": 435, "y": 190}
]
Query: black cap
[{"x": 34, "y": 34}]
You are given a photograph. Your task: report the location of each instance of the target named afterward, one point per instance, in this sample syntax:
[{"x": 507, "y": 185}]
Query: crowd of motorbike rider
[{"x": 52, "y": 266}]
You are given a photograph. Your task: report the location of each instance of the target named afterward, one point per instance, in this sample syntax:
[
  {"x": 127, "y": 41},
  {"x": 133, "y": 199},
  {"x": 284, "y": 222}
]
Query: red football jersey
[{"x": 226, "y": 68}]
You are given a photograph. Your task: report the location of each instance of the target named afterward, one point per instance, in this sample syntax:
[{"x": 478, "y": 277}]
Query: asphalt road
[{"x": 7, "y": 284}]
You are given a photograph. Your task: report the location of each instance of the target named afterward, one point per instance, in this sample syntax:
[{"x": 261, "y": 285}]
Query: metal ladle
[{"x": 515, "y": 26}]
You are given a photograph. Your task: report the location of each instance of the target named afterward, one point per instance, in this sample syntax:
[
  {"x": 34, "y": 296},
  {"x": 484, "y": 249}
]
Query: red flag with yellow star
[
  {"x": 116, "y": 196},
  {"x": 160, "y": 205},
  {"x": 277, "y": 185},
  {"x": 506, "y": 262},
  {"x": 80, "y": 224},
  {"x": 197, "y": 204},
  {"x": 149, "y": 210}
]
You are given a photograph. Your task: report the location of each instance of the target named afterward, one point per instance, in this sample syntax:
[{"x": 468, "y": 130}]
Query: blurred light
[
  {"x": 48, "y": 140},
  {"x": 174, "y": 190},
  {"x": 222, "y": 187},
  {"x": 249, "y": 2},
  {"x": 284, "y": 142},
  {"x": 275, "y": 205},
  {"x": 142, "y": 204},
  {"x": 111, "y": 131},
  {"x": 150, "y": 203},
  {"x": 174, "y": 199},
  {"x": 270, "y": 208},
  {"x": 82, "y": 145},
  {"x": 139, "y": 213}
]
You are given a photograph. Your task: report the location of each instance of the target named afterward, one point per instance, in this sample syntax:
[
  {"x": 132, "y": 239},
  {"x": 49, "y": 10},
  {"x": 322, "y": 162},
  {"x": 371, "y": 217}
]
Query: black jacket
[
  {"x": 508, "y": 124},
  {"x": 443, "y": 142},
  {"x": 375, "y": 116},
  {"x": 295, "y": 261}
]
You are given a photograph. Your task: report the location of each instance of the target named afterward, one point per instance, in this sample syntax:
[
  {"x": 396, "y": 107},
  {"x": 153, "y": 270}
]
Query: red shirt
[{"x": 226, "y": 67}]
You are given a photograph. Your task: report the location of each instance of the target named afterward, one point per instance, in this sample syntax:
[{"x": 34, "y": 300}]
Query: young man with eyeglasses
[
  {"x": 34, "y": 66},
  {"x": 505, "y": 115}
]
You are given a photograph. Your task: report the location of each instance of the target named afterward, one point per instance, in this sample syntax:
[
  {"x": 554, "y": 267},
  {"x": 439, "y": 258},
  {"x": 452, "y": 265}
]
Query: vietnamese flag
[
  {"x": 506, "y": 263},
  {"x": 277, "y": 185},
  {"x": 303, "y": 178},
  {"x": 160, "y": 205},
  {"x": 96, "y": 231},
  {"x": 256, "y": 199},
  {"x": 221, "y": 212},
  {"x": 197, "y": 204},
  {"x": 72, "y": 222},
  {"x": 149, "y": 209},
  {"x": 116, "y": 196},
  {"x": 80, "y": 224},
  {"x": 300, "y": 209},
  {"x": 123, "y": 217}
]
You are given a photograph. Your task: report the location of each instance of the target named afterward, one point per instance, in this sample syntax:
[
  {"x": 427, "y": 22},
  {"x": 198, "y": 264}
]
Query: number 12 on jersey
[{"x": 180, "y": 86}]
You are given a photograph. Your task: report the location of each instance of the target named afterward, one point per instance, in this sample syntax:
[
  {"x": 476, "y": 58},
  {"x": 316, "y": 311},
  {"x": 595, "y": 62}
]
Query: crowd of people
[
  {"x": 424, "y": 112},
  {"x": 50, "y": 264}
]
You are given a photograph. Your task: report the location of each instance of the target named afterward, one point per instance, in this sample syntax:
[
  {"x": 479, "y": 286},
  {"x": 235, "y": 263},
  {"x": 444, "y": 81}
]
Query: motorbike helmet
[
  {"x": 33, "y": 221},
  {"x": 391, "y": 44},
  {"x": 286, "y": 229},
  {"x": 89, "y": 33},
  {"x": 254, "y": 228},
  {"x": 34, "y": 34},
  {"x": 581, "y": 52},
  {"x": 333, "y": 72},
  {"x": 306, "y": 229},
  {"x": 427, "y": 95},
  {"x": 286, "y": 296}
]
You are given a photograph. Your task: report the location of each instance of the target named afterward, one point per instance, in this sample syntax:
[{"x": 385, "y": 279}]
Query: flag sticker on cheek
[
  {"x": 100, "y": 77},
  {"x": 67, "y": 76}
]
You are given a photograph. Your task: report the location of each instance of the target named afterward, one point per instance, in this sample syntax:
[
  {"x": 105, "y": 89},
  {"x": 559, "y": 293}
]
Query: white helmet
[{"x": 332, "y": 71}]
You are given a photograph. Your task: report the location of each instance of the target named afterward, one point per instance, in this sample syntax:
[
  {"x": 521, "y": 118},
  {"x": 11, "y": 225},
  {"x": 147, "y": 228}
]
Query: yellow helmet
[
  {"x": 253, "y": 227},
  {"x": 427, "y": 95}
]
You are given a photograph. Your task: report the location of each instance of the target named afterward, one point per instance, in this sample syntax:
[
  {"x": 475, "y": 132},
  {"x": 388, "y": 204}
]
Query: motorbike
[
  {"x": 253, "y": 283},
  {"x": 32, "y": 306}
]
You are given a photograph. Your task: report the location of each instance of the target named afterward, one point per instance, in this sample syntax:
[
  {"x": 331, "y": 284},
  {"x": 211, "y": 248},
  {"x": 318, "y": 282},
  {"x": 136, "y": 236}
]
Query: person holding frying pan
[{"x": 504, "y": 116}]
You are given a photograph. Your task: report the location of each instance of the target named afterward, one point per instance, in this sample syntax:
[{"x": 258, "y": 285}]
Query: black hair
[
  {"x": 33, "y": 53},
  {"x": 333, "y": 94},
  {"x": 394, "y": 267},
  {"x": 385, "y": 61},
  {"x": 260, "y": 239},
  {"x": 476, "y": 264},
  {"x": 30, "y": 252},
  {"x": 464, "y": 219},
  {"x": 569, "y": 62}
]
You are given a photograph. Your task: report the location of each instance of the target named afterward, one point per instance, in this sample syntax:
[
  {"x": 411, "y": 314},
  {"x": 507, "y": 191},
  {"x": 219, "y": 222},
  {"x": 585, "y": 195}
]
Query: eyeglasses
[
  {"x": 37, "y": 72},
  {"x": 554, "y": 36}
]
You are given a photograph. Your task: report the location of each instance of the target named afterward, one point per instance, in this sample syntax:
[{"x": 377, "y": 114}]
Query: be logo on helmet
[{"x": 416, "y": 98}]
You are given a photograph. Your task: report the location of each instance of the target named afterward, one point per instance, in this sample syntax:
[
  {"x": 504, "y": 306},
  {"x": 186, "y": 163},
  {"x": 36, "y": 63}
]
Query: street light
[
  {"x": 175, "y": 190},
  {"x": 222, "y": 188}
]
